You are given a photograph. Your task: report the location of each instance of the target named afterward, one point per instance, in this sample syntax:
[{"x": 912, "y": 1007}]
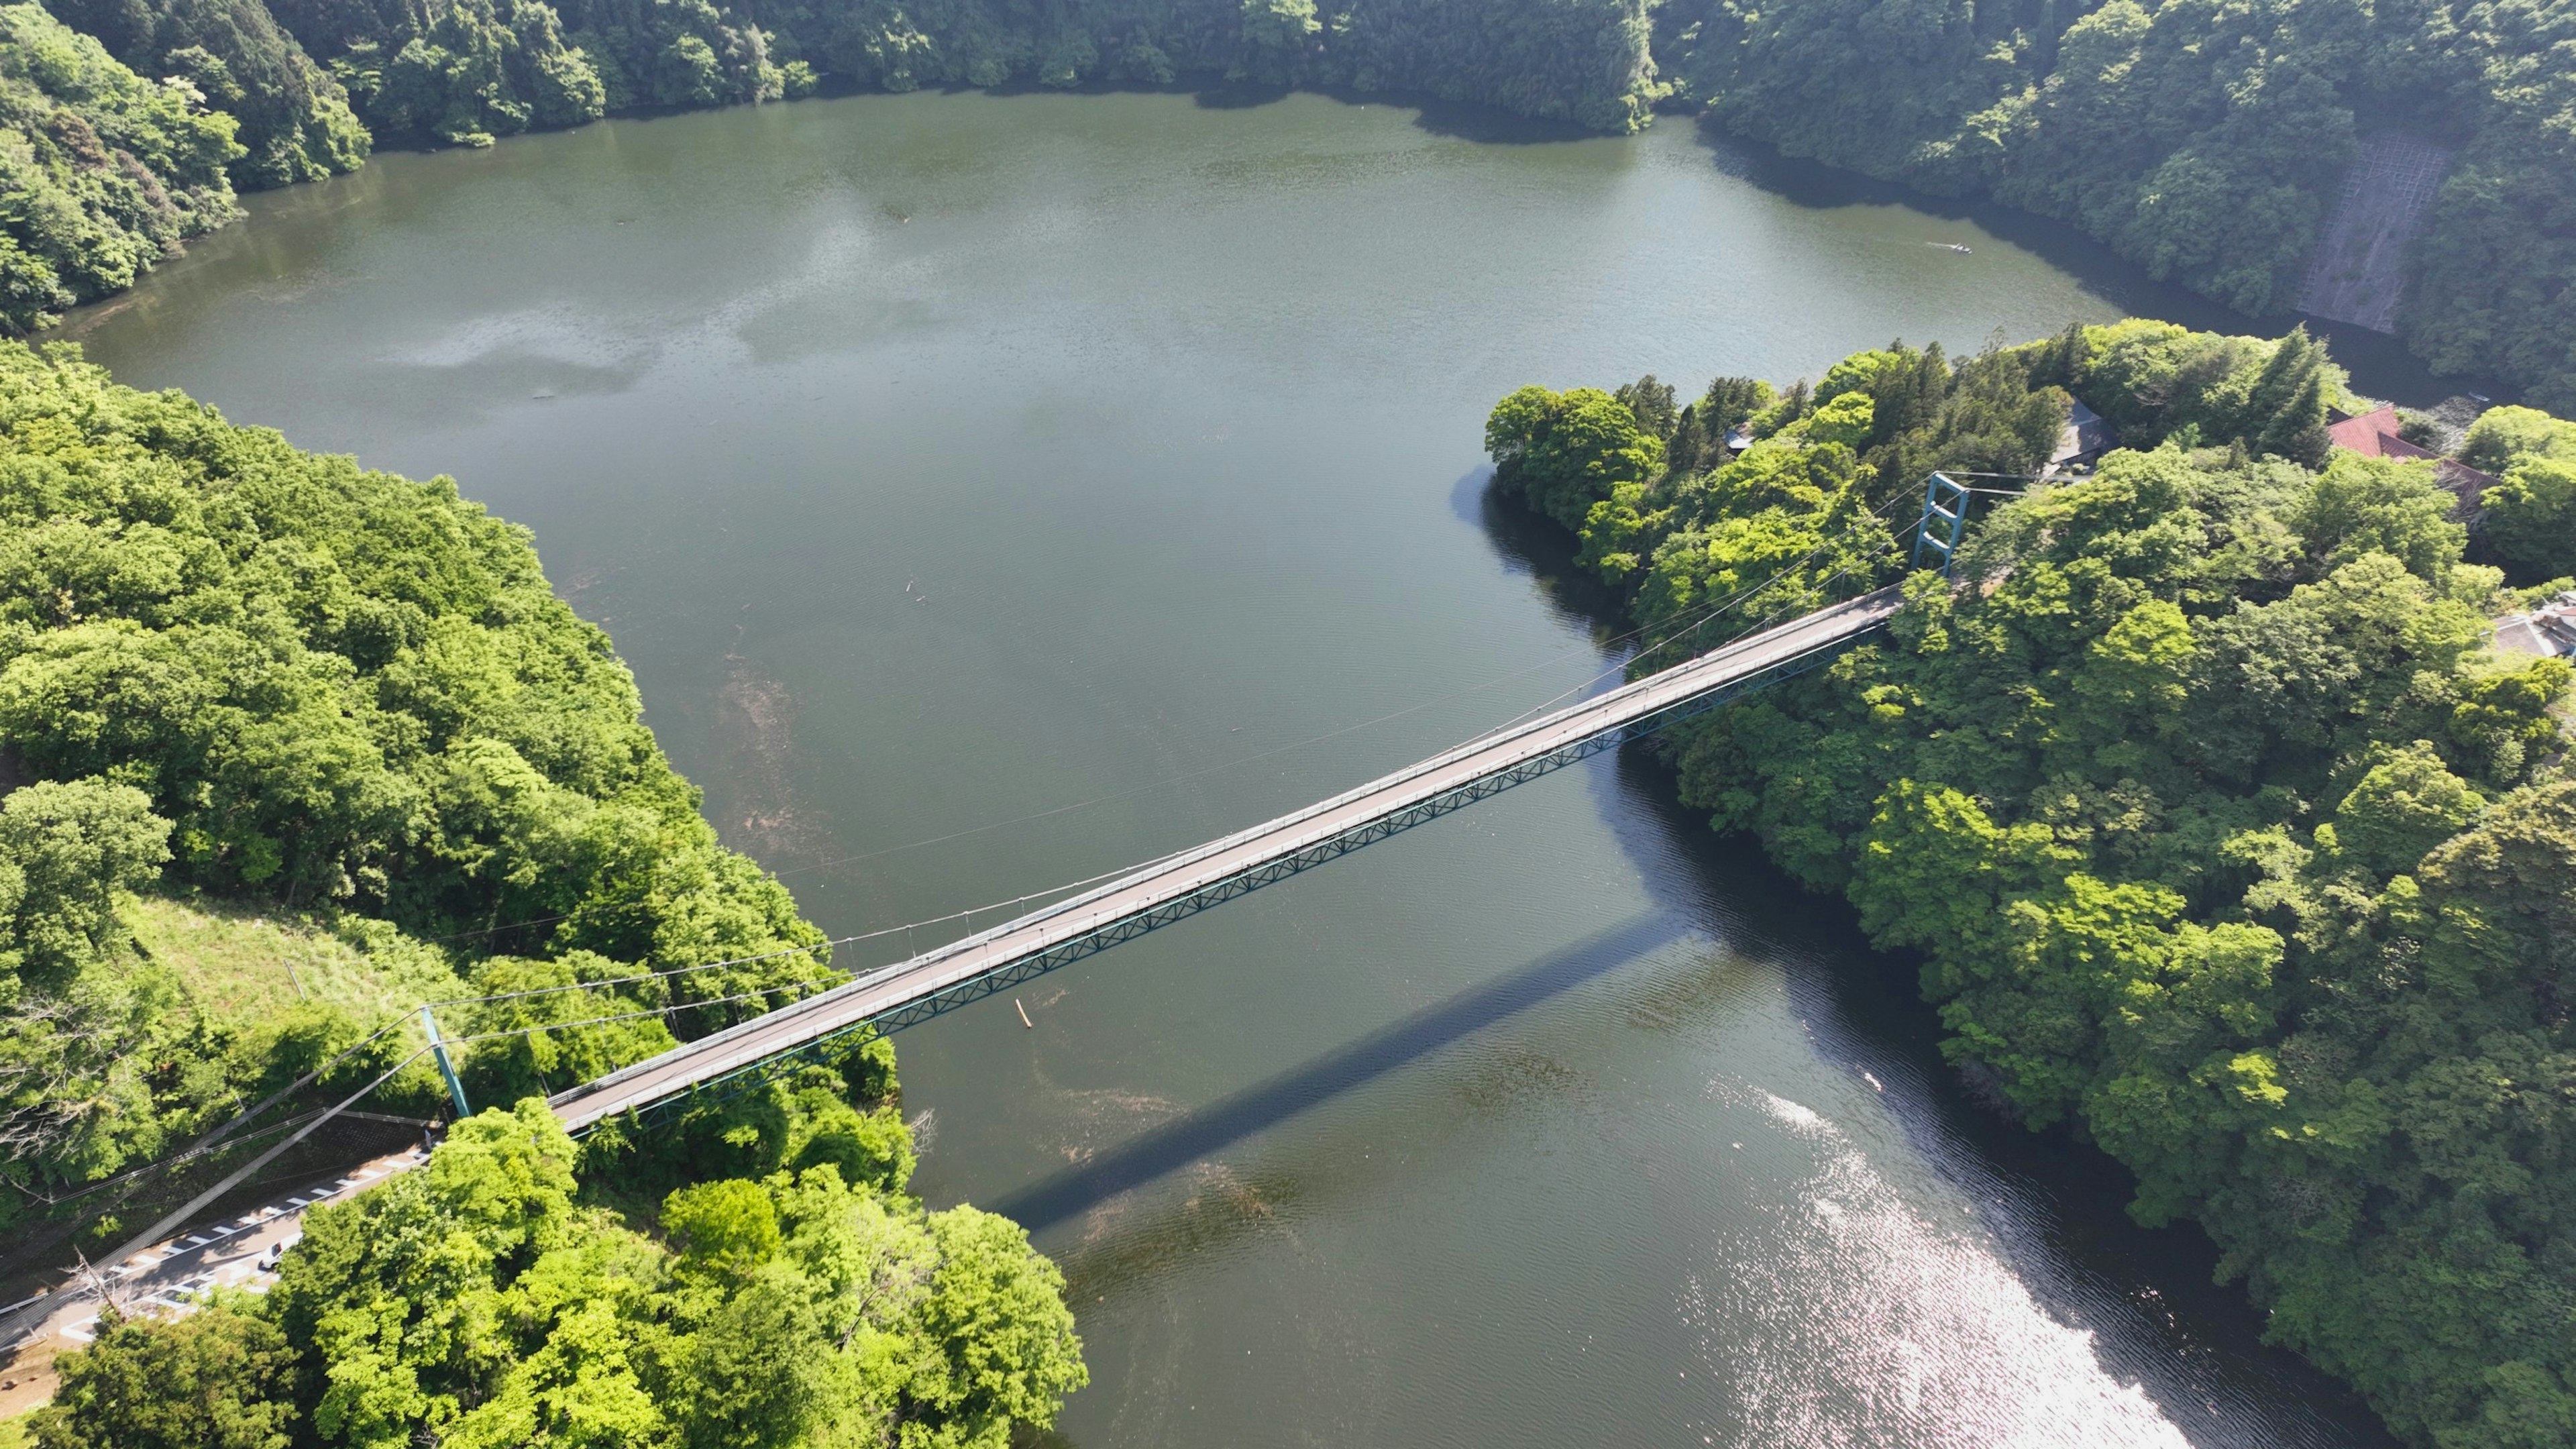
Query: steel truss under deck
[{"x": 1005, "y": 975}]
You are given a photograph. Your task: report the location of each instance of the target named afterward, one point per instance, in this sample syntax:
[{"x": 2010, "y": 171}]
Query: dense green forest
[
  {"x": 327, "y": 689},
  {"x": 480, "y": 1303},
  {"x": 2224, "y": 838},
  {"x": 236, "y": 677},
  {"x": 104, "y": 172},
  {"x": 465, "y": 72},
  {"x": 295, "y": 124},
  {"x": 2204, "y": 142}
]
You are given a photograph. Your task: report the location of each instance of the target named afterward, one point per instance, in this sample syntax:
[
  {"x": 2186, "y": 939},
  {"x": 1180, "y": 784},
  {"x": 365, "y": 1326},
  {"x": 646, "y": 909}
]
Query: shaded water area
[{"x": 993, "y": 491}]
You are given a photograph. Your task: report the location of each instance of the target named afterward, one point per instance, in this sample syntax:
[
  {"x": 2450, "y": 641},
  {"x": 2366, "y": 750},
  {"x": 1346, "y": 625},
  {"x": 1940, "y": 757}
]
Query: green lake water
[{"x": 991, "y": 491}]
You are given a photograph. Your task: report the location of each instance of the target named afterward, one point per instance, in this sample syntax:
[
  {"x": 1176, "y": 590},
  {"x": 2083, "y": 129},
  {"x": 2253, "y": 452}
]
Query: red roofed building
[{"x": 2373, "y": 435}]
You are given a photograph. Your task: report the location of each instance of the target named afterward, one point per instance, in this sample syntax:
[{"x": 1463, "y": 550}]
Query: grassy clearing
[{"x": 242, "y": 965}]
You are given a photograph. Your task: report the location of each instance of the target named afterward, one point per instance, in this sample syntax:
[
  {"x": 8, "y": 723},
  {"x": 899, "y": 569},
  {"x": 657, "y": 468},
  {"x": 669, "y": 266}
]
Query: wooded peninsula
[{"x": 2226, "y": 835}]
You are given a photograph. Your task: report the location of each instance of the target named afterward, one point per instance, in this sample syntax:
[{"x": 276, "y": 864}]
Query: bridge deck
[{"x": 1165, "y": 891}]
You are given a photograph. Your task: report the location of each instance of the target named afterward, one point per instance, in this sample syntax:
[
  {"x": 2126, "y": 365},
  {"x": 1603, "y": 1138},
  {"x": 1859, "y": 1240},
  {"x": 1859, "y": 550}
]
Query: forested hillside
[
  {"x": 300, "y": 682},
  {"x": 297, "y": 747},
  {"x": 105, "y": 172},
  {"x": 295, "y": 124},
  {"x": 465, "y": 71},
  {"x": 2224, "y": 838},
  {"x": 2205, "y": 142}
]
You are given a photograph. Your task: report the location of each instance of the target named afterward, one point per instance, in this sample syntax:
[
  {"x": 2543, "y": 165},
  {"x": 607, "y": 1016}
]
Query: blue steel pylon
[
  {"x": 446, "y": 1068},
  {"x": 1943, "y": 500}
]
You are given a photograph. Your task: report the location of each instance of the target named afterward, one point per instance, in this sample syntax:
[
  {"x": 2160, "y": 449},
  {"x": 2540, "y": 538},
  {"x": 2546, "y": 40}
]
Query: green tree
[
  {"x": 2285, "y": 406},
  {"x": 220, "y": 1378},
  {"x": 1845, "y": 419},
  {"x": 995, "y": 1318},
  {"x": 68, "y": 850},
  {"x": 2363, "y": 505},
  {"x": 729, "y": 1226},
  {"x": 2403, "y": 807},
  {"x": 2531, "y": 517},
  {"x": 1651, "y": 402},
  {"x": 1567, "y": 451},
  {"x": 397, "y": 1293},
  {"x": 2504, "y": 436}
]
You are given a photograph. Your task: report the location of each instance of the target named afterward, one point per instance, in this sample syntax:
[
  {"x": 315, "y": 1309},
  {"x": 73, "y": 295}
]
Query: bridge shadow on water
[
  {"x": 1530, "y": 545},
  {"x": 1222, "y": 1123},
  {"x": 2054, "y": 1206}
]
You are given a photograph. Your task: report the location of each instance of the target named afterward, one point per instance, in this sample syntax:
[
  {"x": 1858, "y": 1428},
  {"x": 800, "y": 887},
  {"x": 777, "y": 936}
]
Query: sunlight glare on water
[{"x": 1934, "y": 1340}]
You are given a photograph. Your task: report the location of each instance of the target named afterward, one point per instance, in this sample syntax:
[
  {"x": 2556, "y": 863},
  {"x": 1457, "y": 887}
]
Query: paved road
[
  {"x": 1164, "y": 883},
  {"x": 164, "y": 1279}
]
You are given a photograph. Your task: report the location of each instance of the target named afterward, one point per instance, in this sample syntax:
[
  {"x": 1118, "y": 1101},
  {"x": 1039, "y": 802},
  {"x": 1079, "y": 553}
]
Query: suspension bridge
[
  {"x": 1146, "y": 899},
  {"x": 1181, "y": 886}
]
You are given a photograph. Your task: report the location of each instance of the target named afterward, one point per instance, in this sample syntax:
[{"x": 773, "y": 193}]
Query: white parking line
[{"x": 184, "y": 1297}]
